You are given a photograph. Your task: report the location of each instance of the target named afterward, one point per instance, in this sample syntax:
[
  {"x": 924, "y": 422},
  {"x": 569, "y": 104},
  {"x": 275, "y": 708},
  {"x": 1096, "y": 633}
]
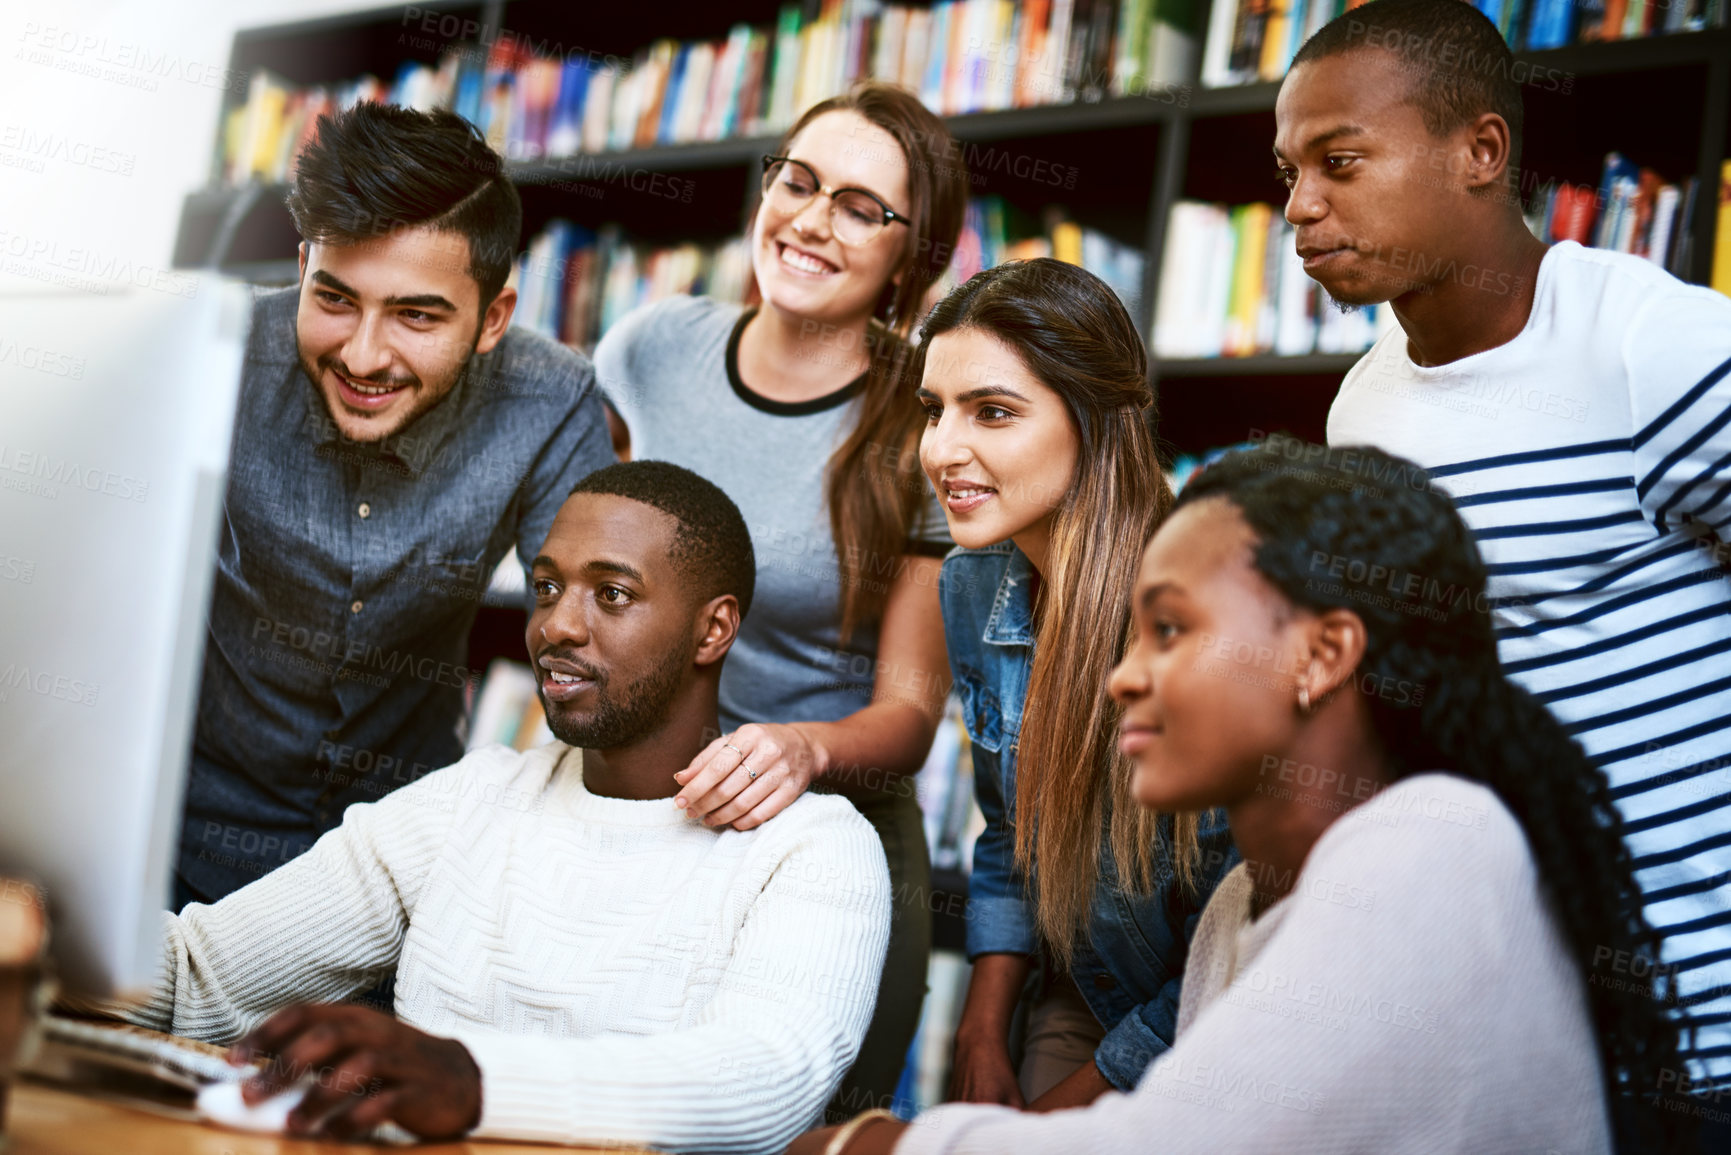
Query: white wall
[{"x": 108, "y": 117}]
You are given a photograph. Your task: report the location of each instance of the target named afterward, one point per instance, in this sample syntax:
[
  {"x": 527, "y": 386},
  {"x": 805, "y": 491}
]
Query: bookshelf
[{"x": 1662, "y": 99}]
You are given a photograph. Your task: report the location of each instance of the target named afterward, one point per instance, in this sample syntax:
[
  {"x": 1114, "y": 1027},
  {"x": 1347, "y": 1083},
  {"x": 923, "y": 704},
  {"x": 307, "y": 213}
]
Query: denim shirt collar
[{"x": 1011, "y": 622}]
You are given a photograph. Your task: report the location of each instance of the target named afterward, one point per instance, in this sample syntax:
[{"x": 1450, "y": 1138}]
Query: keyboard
[
  {"x": 162, "y": 1073},
  {"x": 79, "y": 1051}
]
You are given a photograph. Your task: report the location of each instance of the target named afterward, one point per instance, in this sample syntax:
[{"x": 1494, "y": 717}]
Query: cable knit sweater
[
  {"x": 617, "y": 970},
  {"x": 1412, "y": 994}
]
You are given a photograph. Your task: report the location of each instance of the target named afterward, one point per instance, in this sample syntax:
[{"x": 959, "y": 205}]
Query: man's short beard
[
  {"x": 315, "y": 378},
  {"x": 617, "y": 723}
]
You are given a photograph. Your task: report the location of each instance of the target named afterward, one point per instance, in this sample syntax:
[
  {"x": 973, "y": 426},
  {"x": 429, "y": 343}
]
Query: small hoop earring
[{"x": 1304, "y": 699}]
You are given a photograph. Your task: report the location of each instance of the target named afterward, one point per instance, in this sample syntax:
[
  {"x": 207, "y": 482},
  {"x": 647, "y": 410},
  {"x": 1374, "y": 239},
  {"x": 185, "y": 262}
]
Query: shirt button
[
  {"x": 355, "y": 607},
  {"x": 365, "y": 510},
  {"x": 1104, "y": 982}
]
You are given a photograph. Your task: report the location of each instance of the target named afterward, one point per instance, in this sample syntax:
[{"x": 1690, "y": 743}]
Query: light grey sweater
[
  {"x": 617, "y": 970},
  {"x": 1413, "y": 994}
]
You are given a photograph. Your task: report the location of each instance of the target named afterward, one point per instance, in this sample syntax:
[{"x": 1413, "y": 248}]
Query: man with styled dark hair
[
  {"x": 1576, "y": 403},
  {"x": 577, "y": 958},
  {"x": 427, "y": 169},
  {"x": 394, "y": 440}
]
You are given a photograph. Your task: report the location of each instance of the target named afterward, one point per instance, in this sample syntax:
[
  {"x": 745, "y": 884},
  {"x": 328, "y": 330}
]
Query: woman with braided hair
[{"x": 1435, "y": 942}]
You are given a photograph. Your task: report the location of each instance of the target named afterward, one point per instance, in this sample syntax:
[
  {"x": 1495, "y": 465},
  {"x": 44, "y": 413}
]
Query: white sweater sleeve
[
  {"x": 317, "y": 929},
  {"x": 1380, "y": 1016},
  {"x": 762, "y": 1057}
]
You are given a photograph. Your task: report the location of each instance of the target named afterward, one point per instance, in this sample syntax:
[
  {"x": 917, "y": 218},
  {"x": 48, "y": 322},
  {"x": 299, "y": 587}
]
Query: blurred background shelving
[
  {"x": 1660, "y": 100},
  {"x": 1114, "y": 137}
]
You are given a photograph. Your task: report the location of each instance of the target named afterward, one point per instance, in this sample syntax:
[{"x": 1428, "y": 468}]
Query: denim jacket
[{"x": 1131, "y": 963}]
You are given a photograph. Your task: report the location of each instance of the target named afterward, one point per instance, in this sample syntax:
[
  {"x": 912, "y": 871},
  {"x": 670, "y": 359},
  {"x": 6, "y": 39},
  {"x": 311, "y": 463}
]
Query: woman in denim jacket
[{"x": 1034, "y": 383}]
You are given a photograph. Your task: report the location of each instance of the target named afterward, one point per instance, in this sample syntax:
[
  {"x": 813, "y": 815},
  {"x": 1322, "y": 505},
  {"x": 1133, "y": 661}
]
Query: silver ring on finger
[
  {"x": 749, "y": 772},
  {"x": 735, "y": 749}
]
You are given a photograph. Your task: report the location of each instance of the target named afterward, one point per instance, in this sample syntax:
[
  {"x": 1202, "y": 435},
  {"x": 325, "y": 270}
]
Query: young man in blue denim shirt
[{"x": 394, "y": 441}]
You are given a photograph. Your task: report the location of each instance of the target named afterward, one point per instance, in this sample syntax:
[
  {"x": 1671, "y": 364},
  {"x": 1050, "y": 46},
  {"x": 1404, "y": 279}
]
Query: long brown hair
[
  {"x": 1073, "y": 333},
  {"x": 873, "y": 482}
]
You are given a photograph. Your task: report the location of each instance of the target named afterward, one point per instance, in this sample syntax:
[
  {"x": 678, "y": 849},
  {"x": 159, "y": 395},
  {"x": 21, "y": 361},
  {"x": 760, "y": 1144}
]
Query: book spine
[
  {"x": 1614, "y": 165},
  {"x": 1216, "y": 283},
  {"x": 1056, "y": 85},
  {"x": 1664, "y": 221},
  {"x": 1030, "y": 52},
  {"x": 1217, "y": 52},
  {"x": 1681, "y": 259},
  {"x": 1005, "y": 64},
  {"x": 1271, "y": 66},
  {"x": 1100, "y": 27},
  {"x": 784, "y": 71},
  {"x": 916, "y": 49},
  {"x": 1721, "y": 275},
  {"x": 1130, "y": 48},
  {"x": 1268, "y": 288},
  {"x": 932, "y": 83},
  {"x": 1514, "y": 18},
  {"x": 750, "y": 115},
  {"x": 722, "y": 88}
]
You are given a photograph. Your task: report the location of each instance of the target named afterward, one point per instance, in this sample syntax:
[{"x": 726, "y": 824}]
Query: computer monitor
[{"x": 116, "y": 413}]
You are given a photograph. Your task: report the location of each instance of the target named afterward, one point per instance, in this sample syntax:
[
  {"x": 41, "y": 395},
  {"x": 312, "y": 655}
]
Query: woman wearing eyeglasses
[{"x": 799, "y": 410}]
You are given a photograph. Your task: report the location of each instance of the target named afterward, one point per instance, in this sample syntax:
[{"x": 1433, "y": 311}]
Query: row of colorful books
[
  {"x": 261, "y": 139},
  {"x": 1251, "y": 40},
  {"x": 1633, "y": 210},
  {"x": 1232, "y": 285},
  {"x": 533, "y": 100},
  {"x": 573, "y": 283},
  {"x": 1255, "y": 40},
  {"x": 1538, "y": 24},
  {"x": 993, "y": 232}
]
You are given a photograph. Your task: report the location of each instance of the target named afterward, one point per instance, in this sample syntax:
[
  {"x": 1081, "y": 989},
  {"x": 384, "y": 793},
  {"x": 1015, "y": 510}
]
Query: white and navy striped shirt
[{"x": 1591, "y": 456}]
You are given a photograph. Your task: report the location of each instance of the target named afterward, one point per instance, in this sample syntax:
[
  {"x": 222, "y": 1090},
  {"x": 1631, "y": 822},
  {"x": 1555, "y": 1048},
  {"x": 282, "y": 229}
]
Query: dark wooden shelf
[
  {"x": 738, "y": 151},
  {"x": 1261, "y": 365},
  {"x": 1234, "y": 100},
  {"x": 1571, "y": 60},
  {"x": 1119, "y": 112},
  {"x": 1634, "y": 55},
  {"x": 1077, "y": 116}
]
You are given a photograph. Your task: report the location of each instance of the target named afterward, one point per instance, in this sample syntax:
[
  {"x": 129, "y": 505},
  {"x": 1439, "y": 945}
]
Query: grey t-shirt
[{"x": 670, "y": 370}]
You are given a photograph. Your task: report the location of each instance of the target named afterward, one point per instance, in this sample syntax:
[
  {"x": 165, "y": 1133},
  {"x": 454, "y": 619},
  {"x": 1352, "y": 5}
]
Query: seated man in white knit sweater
[{"x": 576, "y": 959}]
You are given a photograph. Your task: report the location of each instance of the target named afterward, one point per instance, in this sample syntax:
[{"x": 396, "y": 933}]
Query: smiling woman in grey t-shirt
[{"x": 798, "y": 410}]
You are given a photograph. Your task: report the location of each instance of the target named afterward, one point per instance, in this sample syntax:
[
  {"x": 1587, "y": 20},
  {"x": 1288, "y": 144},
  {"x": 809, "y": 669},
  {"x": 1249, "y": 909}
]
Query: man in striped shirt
[{"x": 1577, "y": 405}]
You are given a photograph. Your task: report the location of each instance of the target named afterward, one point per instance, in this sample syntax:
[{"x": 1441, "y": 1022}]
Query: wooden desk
[{"x": 47, "y": 1120}]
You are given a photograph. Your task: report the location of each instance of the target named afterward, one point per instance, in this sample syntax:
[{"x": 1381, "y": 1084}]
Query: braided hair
[{"x": 1362, "y": 530}]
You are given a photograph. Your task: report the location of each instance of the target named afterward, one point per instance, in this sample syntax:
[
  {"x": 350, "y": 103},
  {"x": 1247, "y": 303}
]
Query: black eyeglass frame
[{"x": 890, "y": 215}]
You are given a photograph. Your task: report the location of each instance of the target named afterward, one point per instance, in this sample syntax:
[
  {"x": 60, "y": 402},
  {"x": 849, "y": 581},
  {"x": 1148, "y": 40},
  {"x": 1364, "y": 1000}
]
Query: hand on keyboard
[{"x": 364, "y": 1068}]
